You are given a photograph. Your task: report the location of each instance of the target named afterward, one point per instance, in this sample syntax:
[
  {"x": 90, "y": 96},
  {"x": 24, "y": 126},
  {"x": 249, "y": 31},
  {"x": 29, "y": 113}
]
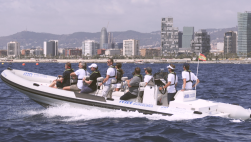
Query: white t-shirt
[
  {"x": 185, "y": 75},
  {"x": 111, "y": 72},
  {"x": 81, "y": 73},
  {"x": 171, "y": 78},
  {"x": 147, "y": 78}
]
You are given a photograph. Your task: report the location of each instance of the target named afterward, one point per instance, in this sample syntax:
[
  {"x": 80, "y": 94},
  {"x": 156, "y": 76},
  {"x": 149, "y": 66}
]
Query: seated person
[
  {"x": 91, "y": 84},
  {"x": 133, "y": 85},
  {"x": 64, "y": 79},
  {"x": 148, "y": 76},
  {"x": 80, "y": 73},
  {"x": 120, "y": 73}
]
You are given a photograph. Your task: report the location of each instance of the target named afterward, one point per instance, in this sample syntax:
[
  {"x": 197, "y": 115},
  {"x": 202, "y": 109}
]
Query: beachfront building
[
  {"x": 150, "y": 52},
  {"x": 103, "y": 39},
  {"x": 51, "y": 48},
  {"x": 169, "y": 37},
  {"x": 73, "y": 52},
  {"x": 118, "y": 45},
  {"x": 244, "y": 34},
  {"x": 13, "y": 49},
  {"x": 112, "y": 52},
  {"x": 201, "y": 42},
  {"x": 187, "y": 37},
  {"x": 130, "y": 47},
  {"x": 229, "y": 42},
  {"x": 3, "y": 53},
  {"x": 89, "y": 47}
]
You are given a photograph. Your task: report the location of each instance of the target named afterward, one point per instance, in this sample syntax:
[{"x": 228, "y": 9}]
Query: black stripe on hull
[{"x": 78, "y": 101}]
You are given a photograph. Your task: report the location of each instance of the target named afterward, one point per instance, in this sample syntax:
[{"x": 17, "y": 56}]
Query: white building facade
[
  {"x": 13, "y": 49},
  {"x": 89, "y": 47},
  {"x": 130, "y": 47},
  {"x": 112, "y": 52}
]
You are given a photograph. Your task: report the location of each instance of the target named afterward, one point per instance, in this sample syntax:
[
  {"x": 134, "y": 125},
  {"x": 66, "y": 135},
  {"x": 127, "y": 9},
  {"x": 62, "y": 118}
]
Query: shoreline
[{"x": 142, "y": 61}]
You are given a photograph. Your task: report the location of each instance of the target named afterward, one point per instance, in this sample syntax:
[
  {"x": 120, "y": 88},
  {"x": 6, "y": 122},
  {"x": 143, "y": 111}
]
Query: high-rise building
[
  {"x": 130, "y": 47},
  {"x": 169, "y": 37},
  {"x": 103, "y": 38},
  {"x": 110, "y": 37},
  {"x": 187, "y": 37},
  {"x": 180, "y": 39},
  {"x": 89, "y": 47},
  {"x": 13, "y": 49},
  {"x": 230, "y": 42},
  {"x": 118, "y": 45},
  {"x": 51, "y": 48},
  {"x": 201, "y": 42},
  {"x": 244, "y": 34}
]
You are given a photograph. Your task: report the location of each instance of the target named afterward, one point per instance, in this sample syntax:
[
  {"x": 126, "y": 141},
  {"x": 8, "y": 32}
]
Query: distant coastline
[{"x": 136, "y": 61}]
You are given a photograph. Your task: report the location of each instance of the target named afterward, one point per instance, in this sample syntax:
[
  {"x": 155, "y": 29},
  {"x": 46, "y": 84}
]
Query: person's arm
[
  {"x": 197, "y": 82},
  {"x": 107, "y": 77},
  {"x": 184, "y": 85},
  {"x": 73, "y": 74},
  {"x": 128, "y": 83},
  {"x": 169, "y": 82},
  {"x": 88, "y": 82}
]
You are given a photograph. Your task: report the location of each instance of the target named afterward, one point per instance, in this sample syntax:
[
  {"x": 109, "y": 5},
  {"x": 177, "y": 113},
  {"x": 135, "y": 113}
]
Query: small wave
[{"x": 69, "y": 113}]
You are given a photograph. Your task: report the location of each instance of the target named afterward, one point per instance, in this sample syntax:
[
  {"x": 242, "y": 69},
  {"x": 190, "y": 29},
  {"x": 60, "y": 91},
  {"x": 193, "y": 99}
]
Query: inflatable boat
[{"x": 149, "y": 101}]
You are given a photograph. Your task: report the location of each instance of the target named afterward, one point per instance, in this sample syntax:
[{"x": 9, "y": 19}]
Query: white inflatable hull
[{"x": 35, "y": 86}]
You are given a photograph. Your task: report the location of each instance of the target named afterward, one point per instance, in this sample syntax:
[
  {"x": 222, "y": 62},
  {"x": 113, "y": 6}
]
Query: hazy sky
[{"x": 68, "y": 16}]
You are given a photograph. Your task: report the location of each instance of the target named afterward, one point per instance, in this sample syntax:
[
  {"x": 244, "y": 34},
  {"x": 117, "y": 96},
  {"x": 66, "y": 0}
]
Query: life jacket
[
  {"x": 119, "y": 76},
  {"x": 95, "y": 72},
  {"x": 140, "y": 76},
  {"x": 174, "y": 78},
  {"x": 114, "y": 70},
  {"x": 189, "y": 76},
  {"x": 69, "y": 70}
]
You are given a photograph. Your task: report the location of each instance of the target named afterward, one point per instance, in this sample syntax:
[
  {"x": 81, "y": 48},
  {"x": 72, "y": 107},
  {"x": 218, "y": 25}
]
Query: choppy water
[{"x": 21, "y": 119}]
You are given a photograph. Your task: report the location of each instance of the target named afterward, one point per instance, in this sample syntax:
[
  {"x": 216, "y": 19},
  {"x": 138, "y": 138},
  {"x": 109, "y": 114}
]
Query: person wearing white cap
[
  {"x": 188, "y": 78},
  {"x": 91, "y": 83},
  {"x": 172, "y": 81},
  {"x": 80, "y": 73}
]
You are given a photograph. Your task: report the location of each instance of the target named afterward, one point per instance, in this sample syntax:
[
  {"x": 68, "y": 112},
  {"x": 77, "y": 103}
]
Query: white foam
[
  {"x": 76, "y": 114},
  {"x": 236, "y": 121}
]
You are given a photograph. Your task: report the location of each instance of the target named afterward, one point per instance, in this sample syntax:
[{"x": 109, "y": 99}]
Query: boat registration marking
[
  {"x": 4, "y": 74},
  {"x": 135, "y": 103},
  {"x": 29, "y": 74}
]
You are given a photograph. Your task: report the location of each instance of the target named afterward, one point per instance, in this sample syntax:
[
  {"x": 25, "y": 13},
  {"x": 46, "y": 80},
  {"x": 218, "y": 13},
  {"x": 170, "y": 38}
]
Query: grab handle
[{"x": 35, "y": 84}]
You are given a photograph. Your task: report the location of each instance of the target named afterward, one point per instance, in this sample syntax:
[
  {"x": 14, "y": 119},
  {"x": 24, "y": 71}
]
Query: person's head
[
  {"x": 110, "y": 61},
  {"x": 93, "y": 67},
  {"x": 118, "y": 65},
  {"x": 148, "y": 70},
  {"x": 171, "y": 68},
  {"x": 82, "y": 65},
  {"x": 68, "y": 65},
  {"x": 186, "y": 66},
  {"x": 137, "y": 70}
]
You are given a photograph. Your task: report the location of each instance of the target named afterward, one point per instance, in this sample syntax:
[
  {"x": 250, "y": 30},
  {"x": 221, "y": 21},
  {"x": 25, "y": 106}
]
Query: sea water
[{"x": 22, "y": 119}]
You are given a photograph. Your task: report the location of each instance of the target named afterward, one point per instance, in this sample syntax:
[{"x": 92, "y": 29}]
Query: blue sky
[{"x": 69, "y": 16}]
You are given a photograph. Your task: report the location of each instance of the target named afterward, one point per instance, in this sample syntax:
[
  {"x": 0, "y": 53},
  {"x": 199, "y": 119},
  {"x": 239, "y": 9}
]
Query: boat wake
[{"x": 67, "y": 113}]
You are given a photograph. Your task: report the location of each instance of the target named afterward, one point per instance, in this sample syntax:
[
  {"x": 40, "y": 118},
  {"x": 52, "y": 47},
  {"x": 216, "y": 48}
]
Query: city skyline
[{"x": 68, "y": 17}]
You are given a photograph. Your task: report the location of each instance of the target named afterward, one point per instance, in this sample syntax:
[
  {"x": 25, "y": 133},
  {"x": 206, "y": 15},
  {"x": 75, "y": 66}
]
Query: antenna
[{"x": 107, "y": 25}]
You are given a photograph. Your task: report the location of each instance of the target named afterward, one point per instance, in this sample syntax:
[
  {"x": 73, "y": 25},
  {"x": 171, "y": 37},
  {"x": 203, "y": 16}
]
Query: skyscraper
[
  {"x": 180, "y": 39},
  {"x": 187, "y": 37},
  {"x": 13, "y": 49},
  {"x": 103, "y": 38},
  {"x": 130, "y": 47},
  {"x": 201, "y": 42},
  {"x": 169, "y": 37},
  {"x": 244, "y": 34},
  {"x": 230, "y": 42},
  {"x": 51, "y": 48}
]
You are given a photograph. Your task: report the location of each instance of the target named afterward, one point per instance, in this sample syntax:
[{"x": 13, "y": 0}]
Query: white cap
[
  {"x": 93, "y": 65},
  {"x": 169, "y": 67}
]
